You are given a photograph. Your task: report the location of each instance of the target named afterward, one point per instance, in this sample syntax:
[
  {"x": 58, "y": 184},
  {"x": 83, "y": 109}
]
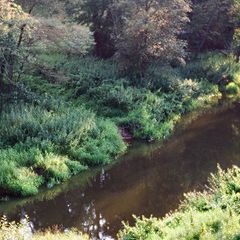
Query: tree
[
  {"x": 67, "y": 38},
  {"x": 97, "y": 15},
  {"x": 13, "y": 31},
  {"x": 47, "y": 8},
  {"x": 150, "y": 30},
  {"x": 235, "y": 12},
  {"x": 212, "y": 25}
]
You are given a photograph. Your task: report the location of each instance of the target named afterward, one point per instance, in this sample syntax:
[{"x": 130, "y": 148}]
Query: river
[{"x": 149, "y": 180}]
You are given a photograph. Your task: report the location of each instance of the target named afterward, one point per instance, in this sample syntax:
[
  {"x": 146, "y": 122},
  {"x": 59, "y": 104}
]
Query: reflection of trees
[{"x": 93, "y": 222}]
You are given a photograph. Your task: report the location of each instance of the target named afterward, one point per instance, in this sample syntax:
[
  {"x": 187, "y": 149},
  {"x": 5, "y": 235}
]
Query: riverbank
[
  {"x": 11, "y": 205},
  {"x": 61, "y": 127},
  {"x": 149, "y": 180}
]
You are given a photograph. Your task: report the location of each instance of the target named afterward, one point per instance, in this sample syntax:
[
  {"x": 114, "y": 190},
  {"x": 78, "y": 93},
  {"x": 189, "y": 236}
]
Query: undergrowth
[{"x": 65, "y": 114}]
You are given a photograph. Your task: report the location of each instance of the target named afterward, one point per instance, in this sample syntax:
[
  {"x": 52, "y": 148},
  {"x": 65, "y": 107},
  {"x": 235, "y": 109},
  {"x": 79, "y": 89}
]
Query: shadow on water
[{"x": 150, "y": 180}]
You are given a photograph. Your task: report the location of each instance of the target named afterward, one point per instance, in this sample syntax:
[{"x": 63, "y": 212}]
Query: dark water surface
[{"x": 150, "y": 179}]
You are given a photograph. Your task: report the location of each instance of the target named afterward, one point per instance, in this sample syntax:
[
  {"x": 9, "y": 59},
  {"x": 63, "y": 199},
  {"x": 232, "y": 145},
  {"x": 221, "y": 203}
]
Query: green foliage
[
  {"x": 165, "y": 78},
  {"x": 115, "y": 95},
  {"x": 149, "y": 108},
  {"x": 16, "y": 175},
  {"x": 232, "y": 89},
  {"x": 156, "y": 114},
  {"x": 31, "y": 123},
  {"x": 214, "y": 67},
  {"x": 101, "y": 145},
  {"x": 69, "y": 138},
  {"x": 54, "y": 168},
  {"x": 98, "y": 15},
  {"x": 65, "y": 38},
  {"x": 153, "y": 118},
  {"x": 49, "y": 146},
  {"x": 84, "y": 73},
  {"x": 15, "y": 36},
  {"x": 148, "y": 30},
  {"x": 212, "y": 25},
  {"x": 213, "y": 214}
]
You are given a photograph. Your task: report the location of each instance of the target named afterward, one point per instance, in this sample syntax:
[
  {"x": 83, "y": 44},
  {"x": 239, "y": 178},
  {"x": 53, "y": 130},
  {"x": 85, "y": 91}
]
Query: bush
[
  {"x": 232, "y": 89},
  {"x": 55, "y": 137},
  {"x": 54, "y": 167},
  {"x": 213, "y": 214},
  {"x": 49, "y": 147},
  {"x": 84, "y": 73},
  {"x": 15, "y": 178},
  {"x": 154, "y": 118},
  {"x": 212, "y": 66},
  {"x": 102, "y": 145},
  {"x": 30, "y": 123},
  {"x": 114, "y": 96},
  {"x": 165, "y": 78},
  {"x": 155, "y": 113}
]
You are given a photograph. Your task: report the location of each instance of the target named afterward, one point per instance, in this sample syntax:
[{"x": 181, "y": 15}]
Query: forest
[{"x": 82, "y": 80}]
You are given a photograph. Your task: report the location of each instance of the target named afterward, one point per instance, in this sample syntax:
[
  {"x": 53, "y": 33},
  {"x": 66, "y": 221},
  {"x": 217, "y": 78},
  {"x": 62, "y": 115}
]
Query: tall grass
[
  {"x": 40, "y": 146},
  {"x": 69, "y": 138}
]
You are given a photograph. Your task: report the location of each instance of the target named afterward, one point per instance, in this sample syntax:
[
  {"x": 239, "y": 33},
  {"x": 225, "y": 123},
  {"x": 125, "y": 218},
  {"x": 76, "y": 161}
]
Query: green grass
[
  {"x": 213, "y": 214},
  {"x": 149, "y": 108},
  {"x": 48, "y": 147},
  {"x": 67, "y": 116}
]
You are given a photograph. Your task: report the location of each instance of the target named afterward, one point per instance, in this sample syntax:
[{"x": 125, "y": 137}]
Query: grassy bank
[
  {"x": 148, "y": 106},
  {"x": 64, "y": 116},
  {"x": 48, "y": 146},
  {"x": 212, "y": 214}
]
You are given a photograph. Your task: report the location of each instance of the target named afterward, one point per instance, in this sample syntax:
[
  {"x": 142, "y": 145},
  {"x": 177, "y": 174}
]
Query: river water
[{"x": 149, "y": 180}]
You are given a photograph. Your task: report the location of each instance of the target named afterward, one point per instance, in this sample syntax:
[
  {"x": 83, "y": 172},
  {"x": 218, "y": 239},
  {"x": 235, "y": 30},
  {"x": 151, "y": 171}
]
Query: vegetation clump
[
  {"x": 212, "y": 214},
  {"x": 48, "y": 147}
]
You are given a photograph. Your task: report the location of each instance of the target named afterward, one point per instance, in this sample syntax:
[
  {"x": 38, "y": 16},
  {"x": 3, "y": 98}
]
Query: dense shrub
[
  {"x": 84, "y": 73},
  {"x": 101, "y": 145},
  {"x": 115, "y": 95},
  {"x": 28, "y": 122},
  {"x": 213, "y": 214},
  {"x": 155, "y": 114},
  {"x": 152, "y": 118},
  {"x": 214, "y": 67},
  {"x": 48, "y": 147},
  {"x": 232, "y": 89},
  {"x": 165, "y": 78},
  {"x": 149, "y": 107},
  {"x": 71, "y": 138},
  {"x": 16, "y": 175}
]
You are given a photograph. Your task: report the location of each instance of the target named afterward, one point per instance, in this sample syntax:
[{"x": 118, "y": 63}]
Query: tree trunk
[
  {"x": 2, "y": 70},
  {"x": 10, "y": 68}
]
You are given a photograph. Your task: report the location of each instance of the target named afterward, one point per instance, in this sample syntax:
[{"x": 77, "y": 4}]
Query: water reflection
[{"x": 151, "y": 179}]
